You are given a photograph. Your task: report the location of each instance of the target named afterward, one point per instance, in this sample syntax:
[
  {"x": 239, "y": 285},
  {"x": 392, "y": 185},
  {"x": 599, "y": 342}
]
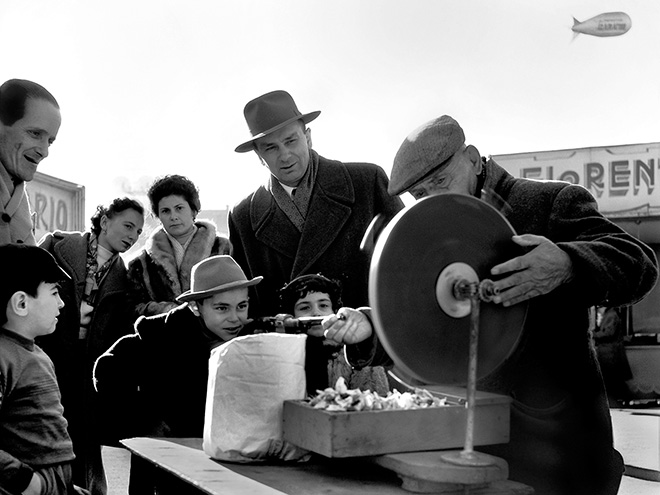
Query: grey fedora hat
[{"x": 215, "y": 274}]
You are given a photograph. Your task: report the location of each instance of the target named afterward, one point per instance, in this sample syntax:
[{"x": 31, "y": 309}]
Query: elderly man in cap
[
  {"x": 561, "y": 434},
  {"x": 29, "y": 122},
  {"x": 312, "y": 213}
]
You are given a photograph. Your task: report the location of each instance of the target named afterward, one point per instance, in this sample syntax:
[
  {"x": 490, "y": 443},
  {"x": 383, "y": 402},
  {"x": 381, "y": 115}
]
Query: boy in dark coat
[{"x": 153, "y": 382}]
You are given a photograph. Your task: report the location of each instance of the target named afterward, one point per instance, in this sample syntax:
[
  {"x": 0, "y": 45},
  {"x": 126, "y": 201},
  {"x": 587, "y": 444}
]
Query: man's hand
[
  {"x": 544, "y": 268},
  {"x": 348, "y": 326}
]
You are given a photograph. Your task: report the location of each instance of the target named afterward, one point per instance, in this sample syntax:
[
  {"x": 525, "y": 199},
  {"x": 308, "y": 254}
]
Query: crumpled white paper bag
[{"x": 249, "y": 379}]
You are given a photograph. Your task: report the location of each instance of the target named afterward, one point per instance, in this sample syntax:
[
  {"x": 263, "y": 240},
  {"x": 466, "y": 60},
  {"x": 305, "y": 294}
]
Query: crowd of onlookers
[{"x": 95, "y": 349}]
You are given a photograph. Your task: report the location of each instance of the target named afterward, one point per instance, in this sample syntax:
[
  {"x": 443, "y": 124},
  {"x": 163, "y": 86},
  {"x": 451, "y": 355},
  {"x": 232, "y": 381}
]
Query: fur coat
[{"x": 153, "y": 272}]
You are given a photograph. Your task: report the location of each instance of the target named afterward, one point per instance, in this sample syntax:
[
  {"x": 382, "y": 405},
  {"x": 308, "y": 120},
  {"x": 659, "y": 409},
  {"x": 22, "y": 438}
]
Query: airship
[{"x": 603, "y": 25}]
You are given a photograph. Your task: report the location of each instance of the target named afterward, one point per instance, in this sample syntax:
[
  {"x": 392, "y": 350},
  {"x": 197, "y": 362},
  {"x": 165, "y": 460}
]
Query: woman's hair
[
  {"x": 117, "y": 206},
  {"x": 301, "y": 286},
  {"x": 174, "y": 185}
]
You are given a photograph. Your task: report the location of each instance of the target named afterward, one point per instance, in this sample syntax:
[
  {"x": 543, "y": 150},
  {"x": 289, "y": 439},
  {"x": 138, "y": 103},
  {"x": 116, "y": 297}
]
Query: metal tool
[{"x": 285, "y": 323}]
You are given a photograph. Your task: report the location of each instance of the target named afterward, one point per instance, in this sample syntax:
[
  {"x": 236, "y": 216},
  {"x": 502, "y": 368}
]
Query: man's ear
[
  {"x": 475, "y": 158},
  {"x": 193, "y": 307},
  {"x": 263, "y": 162},
  {"x": 308, "y": 137},
  {"x": 18, "y": 303}
]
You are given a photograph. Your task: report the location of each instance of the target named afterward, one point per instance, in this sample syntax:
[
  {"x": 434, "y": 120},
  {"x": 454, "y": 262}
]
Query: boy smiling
[{"x": 154, "y": 381}]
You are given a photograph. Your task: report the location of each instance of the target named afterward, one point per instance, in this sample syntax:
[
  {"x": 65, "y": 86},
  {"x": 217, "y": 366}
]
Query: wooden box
[{"x": 365, "y": 433}]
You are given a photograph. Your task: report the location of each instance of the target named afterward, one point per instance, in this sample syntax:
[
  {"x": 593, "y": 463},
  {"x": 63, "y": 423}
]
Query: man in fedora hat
[
  {"x": 154, "y": 381},
  {"x": 574, "y": 258},
  {"x": 312, "y": 213}
]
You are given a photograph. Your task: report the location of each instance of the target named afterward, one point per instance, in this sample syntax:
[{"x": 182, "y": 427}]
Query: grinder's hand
[
  {"x": 541, "y": 270},
  {"x": 348, "y": 326}
]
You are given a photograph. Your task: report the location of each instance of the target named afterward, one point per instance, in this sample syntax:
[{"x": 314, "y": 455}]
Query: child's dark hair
[
  {"x": 23, "y": 269},
  {"x": 117, "y": 206},
  {"x": 174, "y": 185},
  {"x": 301, "y": 286}
]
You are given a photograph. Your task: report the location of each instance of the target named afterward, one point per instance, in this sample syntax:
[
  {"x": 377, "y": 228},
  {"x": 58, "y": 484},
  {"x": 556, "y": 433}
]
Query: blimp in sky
[{"x": 603, "y": 25}]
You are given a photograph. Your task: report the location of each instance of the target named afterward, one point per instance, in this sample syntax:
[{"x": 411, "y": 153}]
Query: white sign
[
  {"x": 623, "y": 179},
  {"x": 56, "y": 204}
]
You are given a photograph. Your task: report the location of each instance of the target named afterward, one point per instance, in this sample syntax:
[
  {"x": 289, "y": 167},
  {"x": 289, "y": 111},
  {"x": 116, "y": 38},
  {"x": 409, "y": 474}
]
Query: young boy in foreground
[
  {"x": 154, "y": 381},
  {"x": 35, "y": 447}
]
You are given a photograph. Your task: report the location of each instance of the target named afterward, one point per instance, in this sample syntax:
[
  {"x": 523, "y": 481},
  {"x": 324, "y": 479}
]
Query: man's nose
[
  {"x": 42, "y": 149},
  {"x": 285, "y": 152}
]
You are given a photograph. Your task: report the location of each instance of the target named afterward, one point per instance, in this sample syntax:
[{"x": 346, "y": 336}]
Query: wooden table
[{"x": 181, "y": 467}]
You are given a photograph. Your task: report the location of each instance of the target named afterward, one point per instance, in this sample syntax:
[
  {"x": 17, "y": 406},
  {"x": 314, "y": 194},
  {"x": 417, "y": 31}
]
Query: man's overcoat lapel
[
  {"x": 68, "y": 254},
  {"x": 330, "y": 207}
]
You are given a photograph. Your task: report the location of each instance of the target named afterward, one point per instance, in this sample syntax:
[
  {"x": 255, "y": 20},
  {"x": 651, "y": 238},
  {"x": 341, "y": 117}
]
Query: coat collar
[
  {"x": 330, "y": 207},
  {"x": 159, "y": 248},
  {"x": 71, "y": 253}
]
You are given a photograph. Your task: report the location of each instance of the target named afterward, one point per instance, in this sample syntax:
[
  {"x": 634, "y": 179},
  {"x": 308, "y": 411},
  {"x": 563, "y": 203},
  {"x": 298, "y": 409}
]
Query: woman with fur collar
[{"x": 161, "y": 272}]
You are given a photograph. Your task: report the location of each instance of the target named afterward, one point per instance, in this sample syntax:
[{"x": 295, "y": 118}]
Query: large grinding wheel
[{"x": 413, "y": 256}]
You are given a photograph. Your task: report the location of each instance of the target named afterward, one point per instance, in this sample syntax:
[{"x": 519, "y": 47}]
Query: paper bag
[{"x": 249, "y": 379}]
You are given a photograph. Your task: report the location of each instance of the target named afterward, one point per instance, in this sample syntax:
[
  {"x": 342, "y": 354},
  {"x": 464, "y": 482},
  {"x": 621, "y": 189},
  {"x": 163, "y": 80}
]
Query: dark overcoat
[
  {"x": 345, "y": 199},
  {"x": 560, "y": 413},
  {"x": 154, "y": 381}
]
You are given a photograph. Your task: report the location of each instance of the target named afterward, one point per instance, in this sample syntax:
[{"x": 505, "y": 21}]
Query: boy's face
[
  {"x": 313, "y": 304},
  {"x": 224, "y": 313},
  {"x": 42, "y": 311}
]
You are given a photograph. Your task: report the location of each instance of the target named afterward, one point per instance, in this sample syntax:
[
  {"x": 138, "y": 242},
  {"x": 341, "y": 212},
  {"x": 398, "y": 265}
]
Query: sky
[{"x": 154, "y": 87}]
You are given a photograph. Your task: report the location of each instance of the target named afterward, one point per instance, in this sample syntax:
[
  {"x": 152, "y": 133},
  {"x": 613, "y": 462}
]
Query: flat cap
[{"x": 425, "y": 149}]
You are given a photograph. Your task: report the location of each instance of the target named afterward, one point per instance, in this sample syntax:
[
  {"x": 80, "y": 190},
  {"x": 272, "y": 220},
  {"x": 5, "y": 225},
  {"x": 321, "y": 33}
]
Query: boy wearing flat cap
[
  {"x": 154, "y": 381},
  {"x": 36, "y": 452},
  {"x": 560, "y": 430},
  {"x": 312, "y": 213}
]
